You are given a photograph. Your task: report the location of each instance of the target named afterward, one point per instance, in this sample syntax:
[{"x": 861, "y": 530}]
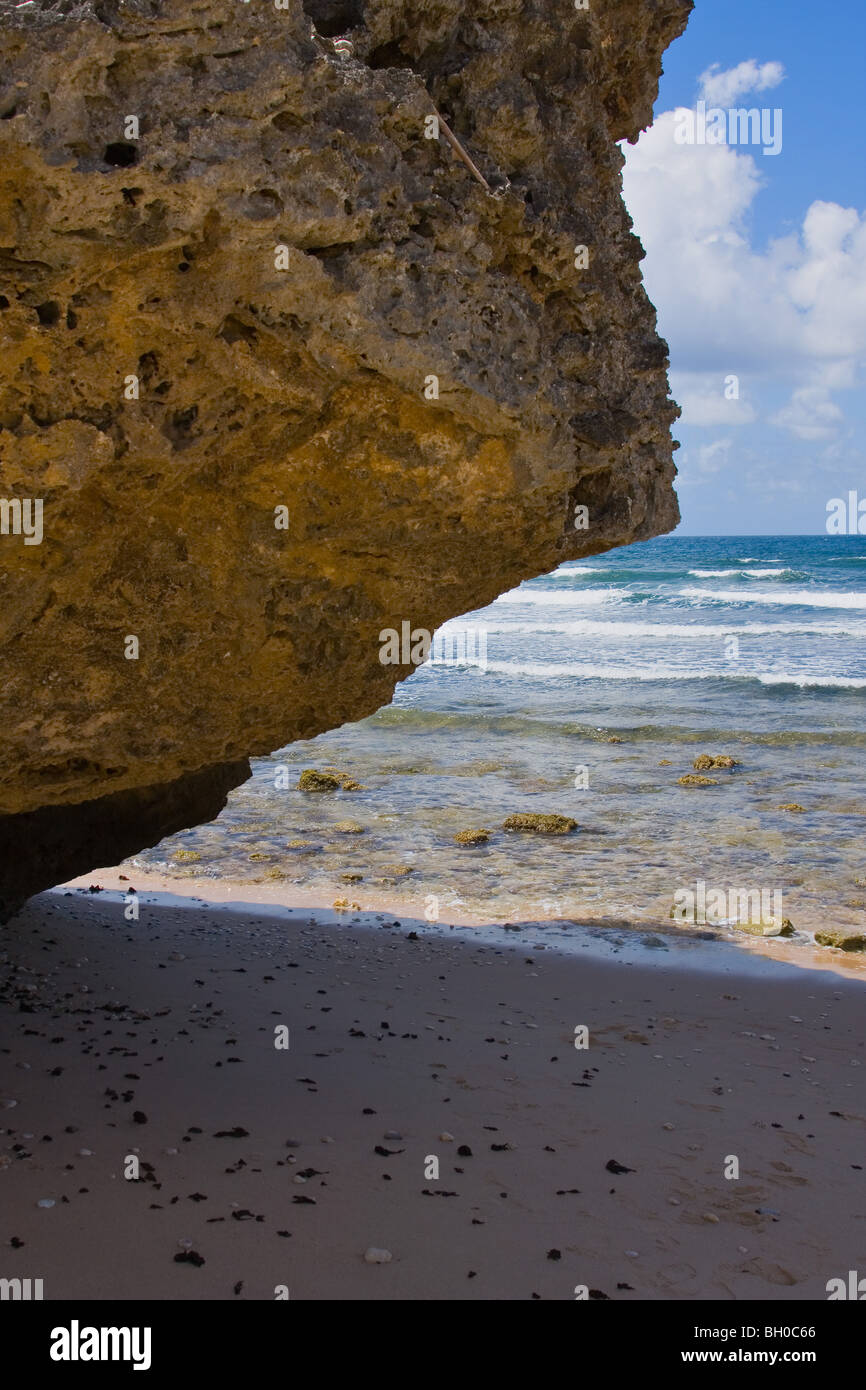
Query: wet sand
[{"x": 266, "y": 1168}]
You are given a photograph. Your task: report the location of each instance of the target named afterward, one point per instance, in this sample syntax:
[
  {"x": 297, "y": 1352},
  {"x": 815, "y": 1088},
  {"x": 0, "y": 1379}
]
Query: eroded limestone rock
[{"x": 283, "y": 372}]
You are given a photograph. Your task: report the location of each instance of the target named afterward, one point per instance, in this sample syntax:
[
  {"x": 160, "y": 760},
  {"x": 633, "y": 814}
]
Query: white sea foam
[
  {"x": 746, "y": 574},
  {"x": 767, "y": 574},
  {"x": 627, "y": 671},
  {"x": 798, "y": 598},
  {"x": 563, "y": 598},
  {"x": 831, "y": 682},
  {"x": 629, "y": 632},
  {"x": 549, "y": 670}
]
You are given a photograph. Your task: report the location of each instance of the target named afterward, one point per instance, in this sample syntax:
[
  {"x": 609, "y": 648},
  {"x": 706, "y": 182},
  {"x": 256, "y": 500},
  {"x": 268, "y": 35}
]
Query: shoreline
[
  {"x": 600, "y": 937},
  {"x": 277, "y": 1168}
]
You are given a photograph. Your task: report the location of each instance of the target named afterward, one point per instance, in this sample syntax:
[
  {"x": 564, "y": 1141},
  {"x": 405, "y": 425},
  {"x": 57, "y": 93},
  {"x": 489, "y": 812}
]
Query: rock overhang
[{"x": 276, "y": 289}]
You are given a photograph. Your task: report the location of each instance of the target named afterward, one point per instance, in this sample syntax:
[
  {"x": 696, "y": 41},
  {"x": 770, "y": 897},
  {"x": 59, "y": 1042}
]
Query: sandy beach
[{"x": 265, "y": 1169}]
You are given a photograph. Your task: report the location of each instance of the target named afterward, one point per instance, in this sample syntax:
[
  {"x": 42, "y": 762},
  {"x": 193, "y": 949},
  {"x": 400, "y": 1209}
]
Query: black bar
[{"x": 613, "y": 1338}]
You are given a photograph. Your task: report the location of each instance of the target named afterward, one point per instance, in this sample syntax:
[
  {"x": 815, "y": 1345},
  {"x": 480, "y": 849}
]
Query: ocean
[{"x": 588, "y": 693}]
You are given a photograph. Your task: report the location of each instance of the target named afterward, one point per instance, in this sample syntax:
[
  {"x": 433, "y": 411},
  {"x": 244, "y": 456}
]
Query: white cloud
[
  {"x": 810, "y": 414},
  {"x": 788, "y": 317},
  {"x": 712, "y": 457},
  {"x": 706, "y": 399},
  {"x": 795, "y": 310},
  {"x": 720, "y": 87},
  {"x": 697, "y": 470},
  {"x": 829, "y": 281}
]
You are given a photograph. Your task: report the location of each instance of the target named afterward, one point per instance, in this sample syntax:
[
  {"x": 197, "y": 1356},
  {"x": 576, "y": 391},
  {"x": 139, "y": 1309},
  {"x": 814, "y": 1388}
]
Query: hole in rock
[
  {"x": 233, "y": 330},
  {"x": 120, "y": 154},
  {"x": 264, "y": 203},
  {"x": 179, "y": 427},
  {"x": 333, "y": 17},
  {"x": 48, "y": 313},
  {"x": 287, "y": 120},
  {"x": 148, "y": 366},
  {"x": 329, "y": 253},
  {"x": 389, "y": 55}
]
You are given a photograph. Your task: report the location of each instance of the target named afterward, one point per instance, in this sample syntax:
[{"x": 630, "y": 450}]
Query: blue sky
[{"x": 757, "y": 263}]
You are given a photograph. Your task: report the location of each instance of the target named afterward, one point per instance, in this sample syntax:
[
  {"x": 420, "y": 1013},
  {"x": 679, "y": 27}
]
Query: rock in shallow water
[
  {"x": 844, "y": 940},
  {"x": 529, "y": 822},
  {"x": 705, "y": 761},
  {"x": 472, "y": 837}
]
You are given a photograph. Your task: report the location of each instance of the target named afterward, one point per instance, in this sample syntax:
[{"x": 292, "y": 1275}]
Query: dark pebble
[{"x": 613, "y": 1167}]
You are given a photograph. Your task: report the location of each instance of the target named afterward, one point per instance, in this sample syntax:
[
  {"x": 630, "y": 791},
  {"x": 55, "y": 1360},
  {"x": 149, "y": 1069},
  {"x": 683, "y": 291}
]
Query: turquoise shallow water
[{"x": 753, "y": 647}]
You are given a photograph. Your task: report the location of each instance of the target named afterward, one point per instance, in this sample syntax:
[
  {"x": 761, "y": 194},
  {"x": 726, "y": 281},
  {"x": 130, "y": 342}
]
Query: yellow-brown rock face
[{"x": 240, "y": 274}]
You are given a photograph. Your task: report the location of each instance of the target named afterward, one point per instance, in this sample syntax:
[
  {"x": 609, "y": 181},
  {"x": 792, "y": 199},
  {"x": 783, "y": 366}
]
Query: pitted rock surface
[{"x": 241, "y": 304}]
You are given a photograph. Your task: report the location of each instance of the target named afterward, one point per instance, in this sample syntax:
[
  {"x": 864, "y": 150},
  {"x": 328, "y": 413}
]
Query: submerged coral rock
[
  {"x": 705, "y": 761},
  {"x": 792, "y": 806},
  {"x": 312, "y": 781},
  {"x": 284, "y": 375},
  {"x": 690, "y": 780},
  {"x": 843, "y": 940},
  {"x": 770, "y": 928},
  {"x": 472, "y": 837},
  {"x": 531, "y": 823}
]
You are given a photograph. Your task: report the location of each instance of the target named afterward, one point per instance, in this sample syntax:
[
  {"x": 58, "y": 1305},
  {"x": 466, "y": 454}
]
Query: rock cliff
[{"x": 314, "y": 320}]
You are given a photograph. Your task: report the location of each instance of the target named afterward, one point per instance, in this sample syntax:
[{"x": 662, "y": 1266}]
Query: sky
[{"x": 756, "y": 262}]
